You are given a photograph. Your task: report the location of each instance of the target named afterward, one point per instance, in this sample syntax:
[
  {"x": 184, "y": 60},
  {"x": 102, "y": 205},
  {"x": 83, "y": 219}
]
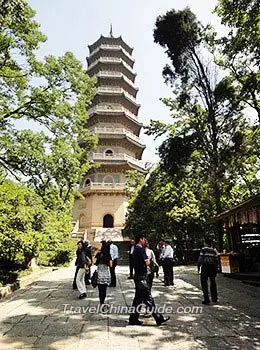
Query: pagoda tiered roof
[{"x": 111, "y": 41}]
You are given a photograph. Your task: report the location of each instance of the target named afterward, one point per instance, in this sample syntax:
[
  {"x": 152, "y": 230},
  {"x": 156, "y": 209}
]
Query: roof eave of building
[
  {"x": 102, "y": 37},
  {"x": 136, "y": 167},
  {"x": 254, "y": 201},
  {"x": 129, "y": 118}
]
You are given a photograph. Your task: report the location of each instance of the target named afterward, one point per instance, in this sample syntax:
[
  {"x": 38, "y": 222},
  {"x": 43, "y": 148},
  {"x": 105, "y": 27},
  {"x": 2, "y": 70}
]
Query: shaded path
[{"x": 48, "y": 314}]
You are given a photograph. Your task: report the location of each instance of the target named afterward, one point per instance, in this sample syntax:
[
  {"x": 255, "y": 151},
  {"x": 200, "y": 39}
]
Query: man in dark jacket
[
  {"x": 88, "y": 257},
  {"x": 87, "y": 248},
  {"x": 208, "y": 263},
  {"x": 81, "y": 264},
  {"x": 142, "y": 291}
]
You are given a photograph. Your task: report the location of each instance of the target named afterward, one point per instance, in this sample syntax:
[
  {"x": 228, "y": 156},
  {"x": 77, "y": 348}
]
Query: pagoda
[{"x": 113, "y": 117}]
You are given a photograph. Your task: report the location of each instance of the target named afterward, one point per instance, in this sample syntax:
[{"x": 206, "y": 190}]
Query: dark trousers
[
  {"x": 143, "y": 296},
  {"x": 113, "y": 273},
  {"x": 102, "y": 292},
  {"x": 74, "y": 284},
  {"x": 131, "y": 265},
  {"x": 209, "y": 271},
  {"x": 168, "y": 271},
  {"x": 150, "y": 277}
]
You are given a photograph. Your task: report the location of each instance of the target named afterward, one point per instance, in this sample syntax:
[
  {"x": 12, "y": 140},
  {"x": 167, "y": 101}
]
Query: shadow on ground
[{"x": 48, "y": 314}]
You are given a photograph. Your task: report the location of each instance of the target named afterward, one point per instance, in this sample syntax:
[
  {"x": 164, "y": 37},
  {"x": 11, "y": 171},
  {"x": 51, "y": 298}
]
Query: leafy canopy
[{"x": 48, "y": 158}]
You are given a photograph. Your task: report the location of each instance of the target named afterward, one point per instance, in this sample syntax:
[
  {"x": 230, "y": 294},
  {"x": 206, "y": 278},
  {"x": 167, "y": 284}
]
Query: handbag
[
  {"x": 142, "y": 283},
  {"x": 94, "y": 279},
  {"x": 155, "y": 268}
]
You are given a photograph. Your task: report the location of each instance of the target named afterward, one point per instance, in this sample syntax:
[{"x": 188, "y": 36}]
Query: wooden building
[{"x": 241, "y": 226}]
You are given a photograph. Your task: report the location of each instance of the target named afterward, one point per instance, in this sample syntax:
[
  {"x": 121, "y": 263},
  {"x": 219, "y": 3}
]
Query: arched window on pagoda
[
  {"x": 108, "y": 180},
  {"x": 87, "y": 182},
  {"x": 109, "y": 153}
]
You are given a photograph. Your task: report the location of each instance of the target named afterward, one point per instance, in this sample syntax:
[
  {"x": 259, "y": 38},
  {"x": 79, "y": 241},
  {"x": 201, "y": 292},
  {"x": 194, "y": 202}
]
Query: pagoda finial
[{"x": 111, "y": 31}]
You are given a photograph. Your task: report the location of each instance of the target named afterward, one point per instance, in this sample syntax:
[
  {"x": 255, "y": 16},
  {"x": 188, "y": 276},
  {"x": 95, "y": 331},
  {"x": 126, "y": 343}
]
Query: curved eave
[
  {"x": 135, "y": 167},
  {"x": 115, "y": 78},
  {"x": 99, "y": 65},
  {"x": 120, "y": 94},
  {"x": 126, "y": 164},
  {"x": 119, "y": 114},
  {"x": 91, "y": 190},
  {"x": 136, "y": 143},
  {"x": 103, "y": 136},
  {"x": 112, "y": 39},
  {"x": 114, "y": 167},
  {"x": 90, "y": 59}
]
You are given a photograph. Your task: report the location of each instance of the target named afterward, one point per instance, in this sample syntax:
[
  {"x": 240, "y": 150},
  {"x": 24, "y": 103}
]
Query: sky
[{"x": 73, "y": 25}]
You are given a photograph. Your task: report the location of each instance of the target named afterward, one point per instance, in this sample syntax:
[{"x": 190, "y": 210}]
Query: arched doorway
[{"x": 108, "y": 221}]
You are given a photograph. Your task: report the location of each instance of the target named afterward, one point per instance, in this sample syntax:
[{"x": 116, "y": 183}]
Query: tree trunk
[{"x": 219, "y": 228}]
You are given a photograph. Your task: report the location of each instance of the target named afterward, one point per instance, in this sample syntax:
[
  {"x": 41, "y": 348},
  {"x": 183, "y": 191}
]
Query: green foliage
[
  {"x": 19, "y": 209},
  {"x": 175, "y": 151},
  {"x": 166, "y": 206},
  {"x": 178, "y": 32},
  {"x": 27, "y": 227},
  {"x": 59, "y": 254},
  {"x": 134, "y": 182},
  {"x": 238, "y": 52},
  {"x": 207, "y": 160},
  {"x": 52, "y": 95},
  {"x": 242, "y": 16}
]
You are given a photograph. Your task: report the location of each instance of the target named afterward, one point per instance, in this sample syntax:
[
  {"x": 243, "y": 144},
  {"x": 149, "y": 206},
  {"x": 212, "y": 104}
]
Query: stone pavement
[{"x": 48, "y": 315}]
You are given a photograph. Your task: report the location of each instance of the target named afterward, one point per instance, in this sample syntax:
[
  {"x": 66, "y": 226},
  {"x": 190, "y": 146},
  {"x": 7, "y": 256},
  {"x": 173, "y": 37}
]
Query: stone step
[
  {"x": 77, "y": 235},
  {"x": 243, "y": 276},
  {"x": 252, "y": 283}
]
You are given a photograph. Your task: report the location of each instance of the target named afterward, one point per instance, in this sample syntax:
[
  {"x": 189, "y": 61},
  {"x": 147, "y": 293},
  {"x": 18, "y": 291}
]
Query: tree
[
  {"x": 242, "y": 16},
  {"x": 134, "y": 182},
  {"x": 239, "y": 51},
  {"x": 166, "y": 206},
  {"x": 206, "y": 110},
  {"x": 54, "y": 94},
  {"x": 27, "y": 227}
]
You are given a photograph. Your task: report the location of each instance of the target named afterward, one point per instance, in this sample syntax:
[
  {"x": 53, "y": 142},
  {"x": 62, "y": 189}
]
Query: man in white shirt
[
  {"x": 167, "y": 263},
  {"x": 114, "y": 257},
  {"x": 131, "y": 262}
]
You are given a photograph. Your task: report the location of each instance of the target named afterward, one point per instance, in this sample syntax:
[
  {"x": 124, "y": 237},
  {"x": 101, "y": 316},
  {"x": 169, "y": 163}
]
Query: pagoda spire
[{"x": 111, "y": 31}]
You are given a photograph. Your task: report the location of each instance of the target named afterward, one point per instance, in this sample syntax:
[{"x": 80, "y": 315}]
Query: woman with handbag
[
  {"x": 81, "y": 263},
  {"x": 103, "y": 262}
]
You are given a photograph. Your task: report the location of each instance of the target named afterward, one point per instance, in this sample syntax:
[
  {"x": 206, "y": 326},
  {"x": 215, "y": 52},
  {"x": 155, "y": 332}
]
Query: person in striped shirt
[{"x": 207, "y": 264}]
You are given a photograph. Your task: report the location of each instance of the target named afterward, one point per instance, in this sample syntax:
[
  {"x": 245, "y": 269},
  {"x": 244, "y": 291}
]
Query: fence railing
[{"x": 111, "y": 130}]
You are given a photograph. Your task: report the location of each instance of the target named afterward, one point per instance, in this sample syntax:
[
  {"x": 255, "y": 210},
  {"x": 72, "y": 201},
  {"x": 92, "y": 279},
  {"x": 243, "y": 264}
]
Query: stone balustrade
[
  {"x": 118, "y": 156},
  {"x": 111, "y": 108},
  {"x": 111, "y": 130},
  {"x": 112, "y": 47}
]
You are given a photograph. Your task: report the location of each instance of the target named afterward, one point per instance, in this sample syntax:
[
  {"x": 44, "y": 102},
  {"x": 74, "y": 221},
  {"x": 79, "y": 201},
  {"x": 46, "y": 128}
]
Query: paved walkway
[{"x": 48, "y": 315}]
